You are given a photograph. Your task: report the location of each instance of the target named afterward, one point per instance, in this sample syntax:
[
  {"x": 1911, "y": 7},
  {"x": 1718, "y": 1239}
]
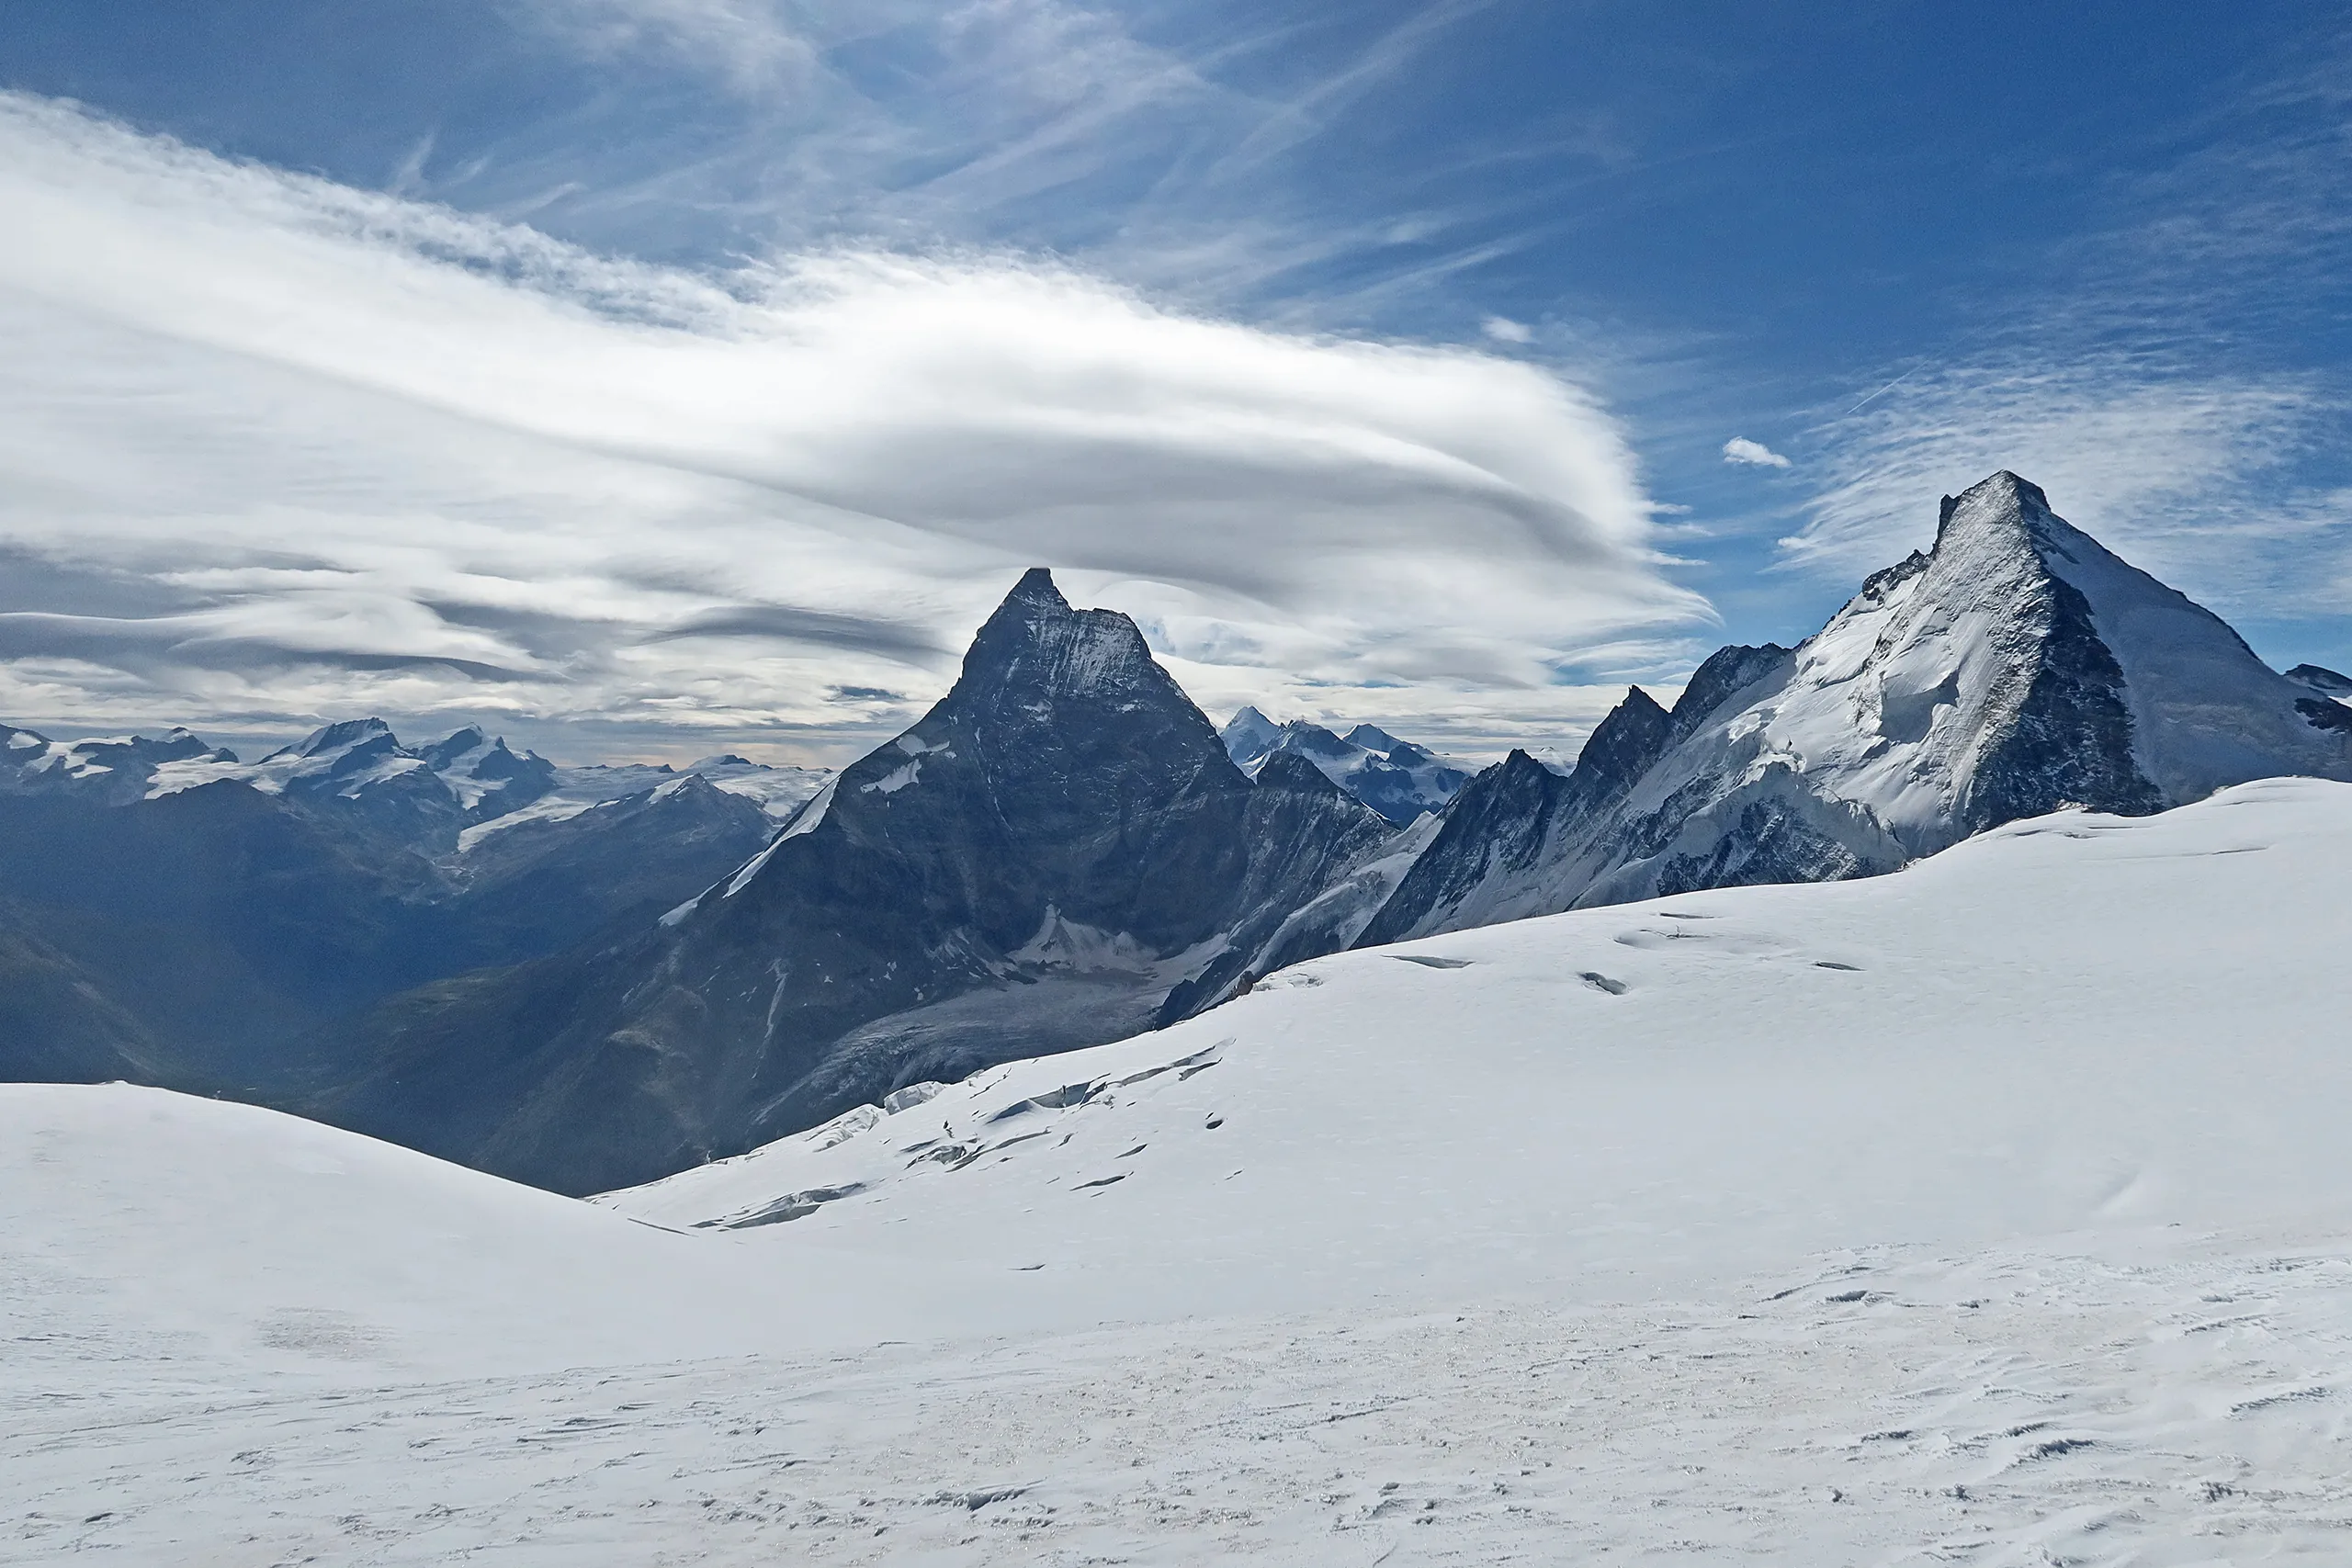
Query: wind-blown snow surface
[{"x": 1992, "y": 1211}]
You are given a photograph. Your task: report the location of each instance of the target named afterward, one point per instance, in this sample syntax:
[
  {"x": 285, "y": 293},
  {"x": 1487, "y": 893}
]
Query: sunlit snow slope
[
  {"x": 152, "y": 1233},
  {"x": 1994, "y": 1211},
  {"x": 2074, "y": 1022}
]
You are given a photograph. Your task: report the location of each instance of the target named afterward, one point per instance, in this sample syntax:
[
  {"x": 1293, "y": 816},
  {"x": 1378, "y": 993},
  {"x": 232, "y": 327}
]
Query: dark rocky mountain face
[
  {"x": 57, "y": 1023},
  {"x": 1034, "y": 865},
  {"x": 1303, "y": 830},
  {"x": 2016, "y": 668}
]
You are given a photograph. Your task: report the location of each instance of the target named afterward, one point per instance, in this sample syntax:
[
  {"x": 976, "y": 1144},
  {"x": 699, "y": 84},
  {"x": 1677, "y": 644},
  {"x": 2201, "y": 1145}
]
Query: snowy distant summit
[
  {"x": 1395, "y": 778},
  {"x": 1053, "y": 851},
  {"x": 359, "y": 768},
  {"x": 434, "y": 798},
  {"x": 115, "y": 770},
  {"x": 2017, "y": 667}
]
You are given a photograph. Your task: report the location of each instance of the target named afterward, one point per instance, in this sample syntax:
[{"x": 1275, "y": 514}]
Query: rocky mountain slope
[
  {"x": 1055, "y": 849},
  {"x": 2017, "y": 667}
]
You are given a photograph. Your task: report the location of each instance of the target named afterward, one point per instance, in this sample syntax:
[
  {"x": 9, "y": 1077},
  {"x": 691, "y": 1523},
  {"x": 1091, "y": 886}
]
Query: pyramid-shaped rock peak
[
  {"x": 1036, "y": 587},
  {"x": 1049, "y": 855},
  {"x": 1037, "y": 644}
]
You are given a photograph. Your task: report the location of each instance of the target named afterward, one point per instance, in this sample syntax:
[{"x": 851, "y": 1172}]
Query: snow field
[{"x": 2183, "y": 1404}]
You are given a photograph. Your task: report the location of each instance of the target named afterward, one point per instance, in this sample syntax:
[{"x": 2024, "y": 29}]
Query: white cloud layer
[
  {"x": 275, "y": 448},
  {"x": 1752, "y": 453}
]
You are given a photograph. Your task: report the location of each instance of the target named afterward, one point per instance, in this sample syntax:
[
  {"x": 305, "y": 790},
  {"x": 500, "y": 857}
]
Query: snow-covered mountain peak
[
  {"x": 2004, "y": 503},
  {"x": 458, "y": 743},
  {"x": 2018, "y": 668},
  {"x": 113, "y": 768},
  {"x": 486, "y": 777},
  {"x": 1980, "y": 682},
  {"x": 341, "y": 738},
  {"x": 358, "y": 766},
  {"x": 1249, "y": 733}
]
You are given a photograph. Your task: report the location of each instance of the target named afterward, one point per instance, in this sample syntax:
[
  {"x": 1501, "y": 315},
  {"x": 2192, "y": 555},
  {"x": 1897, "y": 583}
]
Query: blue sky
[{"x": 1896, "y": 247}]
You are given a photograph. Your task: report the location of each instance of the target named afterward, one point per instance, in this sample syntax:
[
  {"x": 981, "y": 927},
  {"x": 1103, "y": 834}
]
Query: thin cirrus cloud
[
  {"x": 305, "y": 450},
  {"x": 1177, "y": 156},
  {"x": 749, "y": 44},
  {"x": 2172, "y": 384},
  {"x": 2199, "y": 472}
]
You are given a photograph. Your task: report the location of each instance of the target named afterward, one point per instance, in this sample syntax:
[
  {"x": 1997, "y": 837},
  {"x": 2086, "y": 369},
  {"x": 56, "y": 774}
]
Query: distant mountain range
[
  {"x": 174, "y": 915},
  {"x": 590, "y": 977}
]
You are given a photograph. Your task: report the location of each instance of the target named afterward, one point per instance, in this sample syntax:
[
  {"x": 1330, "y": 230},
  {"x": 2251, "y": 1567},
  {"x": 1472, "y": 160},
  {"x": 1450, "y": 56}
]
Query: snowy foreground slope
[{"x": 1994, "y": 1211}]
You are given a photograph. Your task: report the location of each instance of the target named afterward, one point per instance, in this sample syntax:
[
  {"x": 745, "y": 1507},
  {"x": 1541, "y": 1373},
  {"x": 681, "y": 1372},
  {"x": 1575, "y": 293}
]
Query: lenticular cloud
[{"x": 402, "y": 457}]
